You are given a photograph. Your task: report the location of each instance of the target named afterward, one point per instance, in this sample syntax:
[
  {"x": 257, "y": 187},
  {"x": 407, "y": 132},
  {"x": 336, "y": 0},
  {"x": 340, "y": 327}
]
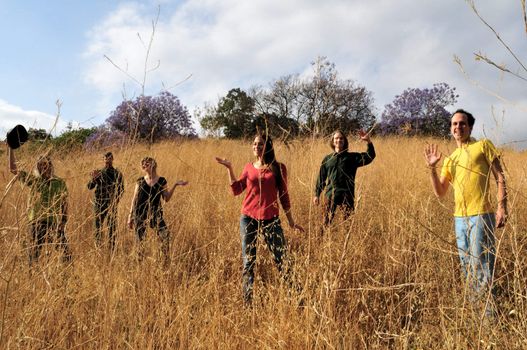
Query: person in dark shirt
[
  {"x": 146, "y": 205},
  {"x": 337, "y": 175},
  {"x": 109, "y": 187}
]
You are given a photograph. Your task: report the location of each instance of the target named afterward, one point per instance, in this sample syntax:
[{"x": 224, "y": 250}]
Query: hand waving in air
[
  {"x": 432, "y": 155},
  {"x": 364, "y": 136},
  {"x": 224, "y": 162}
]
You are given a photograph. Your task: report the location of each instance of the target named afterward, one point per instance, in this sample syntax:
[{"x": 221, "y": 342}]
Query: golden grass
[{"x": 387, "y": 278}]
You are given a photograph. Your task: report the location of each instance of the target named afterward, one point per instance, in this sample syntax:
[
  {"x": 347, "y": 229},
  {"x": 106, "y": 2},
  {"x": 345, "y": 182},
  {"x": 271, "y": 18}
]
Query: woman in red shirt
[{"x": 265, "y": 182}]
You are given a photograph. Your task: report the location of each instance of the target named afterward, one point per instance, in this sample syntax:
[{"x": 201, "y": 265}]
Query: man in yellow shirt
[{"x": 468, "y": 169}]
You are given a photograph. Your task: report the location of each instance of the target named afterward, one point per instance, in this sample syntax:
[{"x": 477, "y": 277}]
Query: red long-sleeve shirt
[{"x": 261, "y": 198}]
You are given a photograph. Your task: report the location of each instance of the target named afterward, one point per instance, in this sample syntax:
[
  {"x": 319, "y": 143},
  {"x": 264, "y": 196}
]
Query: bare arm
[
  {"x": 292, "y": 223},
  {"x": 228, "y": 165},
  {"x": 501, "y": 213},
  {"x": 12, "y": 161},
  {"x": 132, "y": 207},
  {"x": 432, "y": 158},
  {"x": 167, "y": 194}
]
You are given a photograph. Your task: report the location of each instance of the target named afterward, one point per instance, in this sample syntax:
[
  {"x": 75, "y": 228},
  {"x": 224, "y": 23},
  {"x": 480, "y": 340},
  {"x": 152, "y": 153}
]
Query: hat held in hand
[{"x": 17, "y": 136}]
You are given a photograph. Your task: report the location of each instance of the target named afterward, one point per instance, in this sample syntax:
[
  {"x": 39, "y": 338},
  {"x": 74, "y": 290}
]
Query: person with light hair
[
  {"x": 48, "y": 206},
  {"x": 469, "y": 169},
  {"x": 146, "y": 206}
]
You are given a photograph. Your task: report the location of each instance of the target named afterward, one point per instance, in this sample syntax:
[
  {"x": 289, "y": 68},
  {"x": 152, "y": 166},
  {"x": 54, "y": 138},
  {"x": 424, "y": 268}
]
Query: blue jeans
[
  {"x": 275, "y": 240},
  {"x": 475, "y": 243}
]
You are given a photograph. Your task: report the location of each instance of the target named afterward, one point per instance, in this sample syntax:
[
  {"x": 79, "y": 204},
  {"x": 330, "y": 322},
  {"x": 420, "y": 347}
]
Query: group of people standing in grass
[
  {"x": 48, "y": 204},
  {"x": 265, "y": 183}
]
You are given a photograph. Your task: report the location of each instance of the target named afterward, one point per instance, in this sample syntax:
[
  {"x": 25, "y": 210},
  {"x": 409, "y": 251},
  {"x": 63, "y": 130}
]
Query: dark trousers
[
  {"x": 159, "y": 225},
  {"x": 345, "y": 201},
  {"x": 106, "y": 213},
  {"x": 275, "y": 240},
  {"x": 42, "y": 232}
]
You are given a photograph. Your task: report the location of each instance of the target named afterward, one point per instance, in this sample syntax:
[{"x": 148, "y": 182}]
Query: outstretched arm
[
  {"x": 501, "y": 213},
  {"x": 432, "y": 158},
  {"x": 226, "y": 163},
  {"x": 368, "y": 156},
  {"x": 167, "y": 194}
]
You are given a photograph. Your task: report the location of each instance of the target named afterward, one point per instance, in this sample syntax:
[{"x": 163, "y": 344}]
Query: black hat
[{"x": 16, "y": 136}]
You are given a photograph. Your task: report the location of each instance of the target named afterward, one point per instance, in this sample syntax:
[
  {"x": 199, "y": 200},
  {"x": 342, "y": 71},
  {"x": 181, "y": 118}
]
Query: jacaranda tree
[
  {"x": 419, "y": 112},
  {"x": 152, "y": 118}
]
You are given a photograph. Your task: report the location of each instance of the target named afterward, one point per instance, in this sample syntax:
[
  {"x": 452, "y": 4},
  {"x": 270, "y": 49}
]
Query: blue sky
[{"x": 55, "y": 51}]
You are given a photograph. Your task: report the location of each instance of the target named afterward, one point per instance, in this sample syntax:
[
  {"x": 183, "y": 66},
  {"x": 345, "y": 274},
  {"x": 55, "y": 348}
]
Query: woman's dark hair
[
  {"x": 346, "y": 144},
  {"x": 269, "y": 158}
]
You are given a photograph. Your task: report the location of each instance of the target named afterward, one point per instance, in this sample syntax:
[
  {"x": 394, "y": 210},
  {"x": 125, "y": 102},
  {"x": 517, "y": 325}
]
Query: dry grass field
[{"x": 388, "y": 278}]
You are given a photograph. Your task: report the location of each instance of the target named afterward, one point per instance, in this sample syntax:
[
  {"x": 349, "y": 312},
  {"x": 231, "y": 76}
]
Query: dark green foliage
[
  {"x": 38, "y": 134},
  {"x": 233, "y": 116},
  {"x": 293, "y": 105},
  {"x": 72, "y": 138}
]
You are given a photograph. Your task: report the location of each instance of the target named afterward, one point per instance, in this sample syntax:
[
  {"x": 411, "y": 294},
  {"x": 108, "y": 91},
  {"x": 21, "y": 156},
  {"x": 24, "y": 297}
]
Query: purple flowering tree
[
  {"x": 105, "y": 137},
  {"x": 419, "y": 112},
  {"x": 152, "y": 118}
]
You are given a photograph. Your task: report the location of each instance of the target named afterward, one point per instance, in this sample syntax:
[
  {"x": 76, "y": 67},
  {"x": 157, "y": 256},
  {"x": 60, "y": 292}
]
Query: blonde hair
[{"x": 149, "y": 160}]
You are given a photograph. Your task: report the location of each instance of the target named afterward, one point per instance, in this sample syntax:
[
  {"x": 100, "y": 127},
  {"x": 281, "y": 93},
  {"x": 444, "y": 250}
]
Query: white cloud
[
  {"x": 11, "y": 115},
  {"x": 384, "y": 45}
]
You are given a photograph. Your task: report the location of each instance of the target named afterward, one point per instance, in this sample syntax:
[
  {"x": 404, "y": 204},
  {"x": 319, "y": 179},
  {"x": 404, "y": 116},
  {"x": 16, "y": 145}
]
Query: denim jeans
[
  {"x": 475, "y": 243},
  {"x": 275, "y": 240}
]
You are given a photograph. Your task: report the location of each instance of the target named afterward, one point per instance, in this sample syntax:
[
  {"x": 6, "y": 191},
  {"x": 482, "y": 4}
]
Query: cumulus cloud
[
  {"x": 11, "y": 115},
  {"x": 384, "y": 45}
]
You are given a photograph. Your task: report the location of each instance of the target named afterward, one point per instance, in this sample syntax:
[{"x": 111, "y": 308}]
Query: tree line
[{"x": 290, "y": 106}]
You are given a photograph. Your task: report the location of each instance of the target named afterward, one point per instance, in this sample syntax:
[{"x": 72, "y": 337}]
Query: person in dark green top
[
  {"x": 48, "y": 206},
  {"x": 109, "y": 187},
  {"x": 337, "y": 175}
]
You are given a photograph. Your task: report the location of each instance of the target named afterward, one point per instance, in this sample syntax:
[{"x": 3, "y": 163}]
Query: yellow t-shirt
[{"x": 468, "y": 169}]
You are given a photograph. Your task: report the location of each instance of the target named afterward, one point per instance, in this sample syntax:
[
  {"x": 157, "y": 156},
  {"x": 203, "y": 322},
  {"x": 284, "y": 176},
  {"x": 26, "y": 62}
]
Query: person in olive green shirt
[
  {"x": 48, "y": 206},
  {"x": 337, "y": 175},
  {"x": 109, "y": 187}
]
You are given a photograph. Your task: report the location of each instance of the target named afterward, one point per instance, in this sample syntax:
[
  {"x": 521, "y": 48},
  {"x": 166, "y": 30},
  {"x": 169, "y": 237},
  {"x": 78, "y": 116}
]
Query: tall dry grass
[{"x": 387, "y": 278}]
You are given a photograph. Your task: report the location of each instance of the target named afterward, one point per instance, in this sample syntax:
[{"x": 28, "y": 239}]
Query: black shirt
[
  {"x": 148, "y": 202},
  {"x": 109, "y": 186}
]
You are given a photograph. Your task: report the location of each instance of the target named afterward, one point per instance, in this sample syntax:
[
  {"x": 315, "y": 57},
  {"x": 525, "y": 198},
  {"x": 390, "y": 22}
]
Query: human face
[
  {"x": 459, "y": 128},
  {"x": 258, "y": 147},
  {"x": 338, "y": 141},
  {"x": 45, "y": 168},
  {"x": 108, "y": 161},
  {"x": 148, "y": 165}
]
